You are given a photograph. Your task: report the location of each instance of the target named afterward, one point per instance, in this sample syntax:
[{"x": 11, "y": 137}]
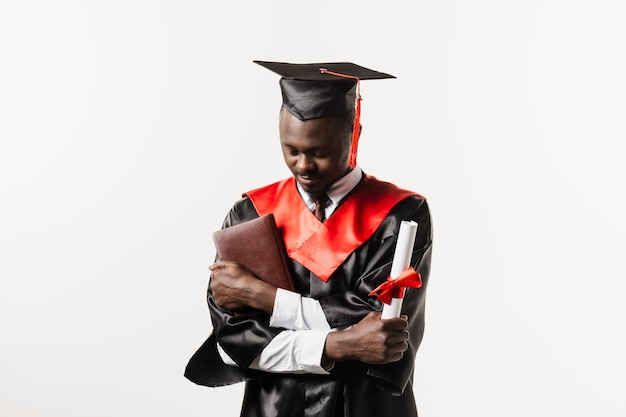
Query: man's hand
[
  {"x": 235, "y": 288},
  {"x": 372, "y": 341}
]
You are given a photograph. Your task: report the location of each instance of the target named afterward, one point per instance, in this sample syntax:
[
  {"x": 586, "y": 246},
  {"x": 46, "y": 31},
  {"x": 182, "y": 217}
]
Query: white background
[{"x": 128, "y": 128}]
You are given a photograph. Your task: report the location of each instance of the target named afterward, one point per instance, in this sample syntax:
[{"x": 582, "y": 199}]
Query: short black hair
[{"x": 347, "y": 120}]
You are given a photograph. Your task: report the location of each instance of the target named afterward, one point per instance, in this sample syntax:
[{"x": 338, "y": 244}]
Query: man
[{"x": 322, "y": 350}]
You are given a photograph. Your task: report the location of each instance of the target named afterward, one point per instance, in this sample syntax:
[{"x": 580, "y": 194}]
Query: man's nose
[{"x": 305, "y": 163}]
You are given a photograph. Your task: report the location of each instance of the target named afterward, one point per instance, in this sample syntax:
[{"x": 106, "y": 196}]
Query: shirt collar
[{"x": 338, "y": 191}]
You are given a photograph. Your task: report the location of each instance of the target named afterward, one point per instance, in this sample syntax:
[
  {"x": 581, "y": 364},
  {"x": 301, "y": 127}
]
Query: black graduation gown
[{"x": 352, "y": 389}]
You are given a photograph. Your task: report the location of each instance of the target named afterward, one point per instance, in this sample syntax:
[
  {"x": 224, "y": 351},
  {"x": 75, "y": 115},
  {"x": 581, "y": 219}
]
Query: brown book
[{"x": 257, "y": 245}]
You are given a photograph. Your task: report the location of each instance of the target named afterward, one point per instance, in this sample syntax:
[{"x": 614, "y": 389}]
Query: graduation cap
[{"x": 318, "y": 90}]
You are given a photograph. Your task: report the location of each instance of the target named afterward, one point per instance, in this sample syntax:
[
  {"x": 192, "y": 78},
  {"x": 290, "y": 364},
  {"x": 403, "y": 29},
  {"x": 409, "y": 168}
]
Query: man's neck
[{"x": 337, "y": 192}]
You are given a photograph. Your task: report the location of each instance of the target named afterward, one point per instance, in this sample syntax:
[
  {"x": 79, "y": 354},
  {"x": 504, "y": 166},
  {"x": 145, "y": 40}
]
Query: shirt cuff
[
  {"x": 294, "y": 312},
  {"x": 294, "y": 352}
]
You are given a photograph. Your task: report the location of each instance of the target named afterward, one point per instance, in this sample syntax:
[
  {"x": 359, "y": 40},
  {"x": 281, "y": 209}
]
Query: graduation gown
[{"x": 353, "y": 389}]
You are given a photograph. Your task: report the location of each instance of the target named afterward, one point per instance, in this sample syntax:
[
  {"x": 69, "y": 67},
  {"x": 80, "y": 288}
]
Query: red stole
[{"x": 322, "y": 247}]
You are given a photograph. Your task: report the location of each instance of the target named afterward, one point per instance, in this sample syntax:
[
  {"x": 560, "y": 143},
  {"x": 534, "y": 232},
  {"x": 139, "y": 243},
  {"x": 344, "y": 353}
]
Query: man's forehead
[{"x": 323, "y": 132}]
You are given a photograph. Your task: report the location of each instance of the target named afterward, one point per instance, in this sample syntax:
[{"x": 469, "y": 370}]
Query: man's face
[{"x": 316, "y": 151}]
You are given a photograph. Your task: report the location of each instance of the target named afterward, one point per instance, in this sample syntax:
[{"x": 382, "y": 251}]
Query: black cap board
[
  {"x": 311, "y": 72},
  {"x": 309, "y": 93}
]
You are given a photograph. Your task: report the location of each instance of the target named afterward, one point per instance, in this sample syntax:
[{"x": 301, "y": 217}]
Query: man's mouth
[
  {"x": 308, "y": 179},
  {"x": 311, "y": 175}
]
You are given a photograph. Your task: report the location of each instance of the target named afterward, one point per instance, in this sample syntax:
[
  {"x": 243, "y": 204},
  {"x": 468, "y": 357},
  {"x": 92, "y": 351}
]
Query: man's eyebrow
[{"x": 308, "y": 149}]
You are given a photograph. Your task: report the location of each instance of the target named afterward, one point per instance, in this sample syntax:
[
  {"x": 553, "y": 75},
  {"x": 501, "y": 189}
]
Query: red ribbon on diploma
[{"x": 395, "y": 287}]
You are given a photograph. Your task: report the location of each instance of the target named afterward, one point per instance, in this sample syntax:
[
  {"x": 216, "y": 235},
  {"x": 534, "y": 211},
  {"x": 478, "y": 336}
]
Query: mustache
[{"x": 307, "y": 174}]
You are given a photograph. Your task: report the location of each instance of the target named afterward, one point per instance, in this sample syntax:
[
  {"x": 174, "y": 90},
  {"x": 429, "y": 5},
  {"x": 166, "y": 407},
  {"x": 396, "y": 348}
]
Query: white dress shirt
[{"x": 299, "y": 349}]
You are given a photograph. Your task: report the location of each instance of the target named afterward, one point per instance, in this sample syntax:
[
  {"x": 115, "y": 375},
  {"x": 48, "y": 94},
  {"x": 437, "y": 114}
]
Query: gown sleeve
[
  {"x": 242, "y": 337},
  {"x": 369, "y": 267}
]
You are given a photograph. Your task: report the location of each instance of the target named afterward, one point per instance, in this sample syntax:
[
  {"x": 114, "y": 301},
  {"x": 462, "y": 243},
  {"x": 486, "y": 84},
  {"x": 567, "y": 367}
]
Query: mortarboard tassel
[{"x": 356, "y": 128}]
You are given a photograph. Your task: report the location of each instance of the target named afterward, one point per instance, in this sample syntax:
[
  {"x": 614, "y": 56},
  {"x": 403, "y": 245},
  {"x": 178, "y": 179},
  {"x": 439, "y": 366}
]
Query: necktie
[{"x": 320, "y": 206}]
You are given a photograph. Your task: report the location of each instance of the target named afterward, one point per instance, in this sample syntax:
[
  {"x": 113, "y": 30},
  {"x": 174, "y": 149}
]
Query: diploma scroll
[{"x": 401, "y": 261}]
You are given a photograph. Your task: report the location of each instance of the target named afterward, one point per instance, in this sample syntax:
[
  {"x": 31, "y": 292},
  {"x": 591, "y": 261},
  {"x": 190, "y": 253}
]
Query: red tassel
[{"x": 356, "y": 128}]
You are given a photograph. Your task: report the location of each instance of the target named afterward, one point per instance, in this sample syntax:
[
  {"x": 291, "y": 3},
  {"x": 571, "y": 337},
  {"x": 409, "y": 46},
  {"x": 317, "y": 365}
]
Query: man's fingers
[
  {"x": 219, "y": 264},
  {"x": 396, "y": 357},
  {"x": 394, "y": 325},
  {"x": 398, "y": 337}
]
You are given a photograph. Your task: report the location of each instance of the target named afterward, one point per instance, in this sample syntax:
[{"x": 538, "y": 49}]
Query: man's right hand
[
  {"x": 235, "y": 288},
  {"x": 372, "y": 340}
]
